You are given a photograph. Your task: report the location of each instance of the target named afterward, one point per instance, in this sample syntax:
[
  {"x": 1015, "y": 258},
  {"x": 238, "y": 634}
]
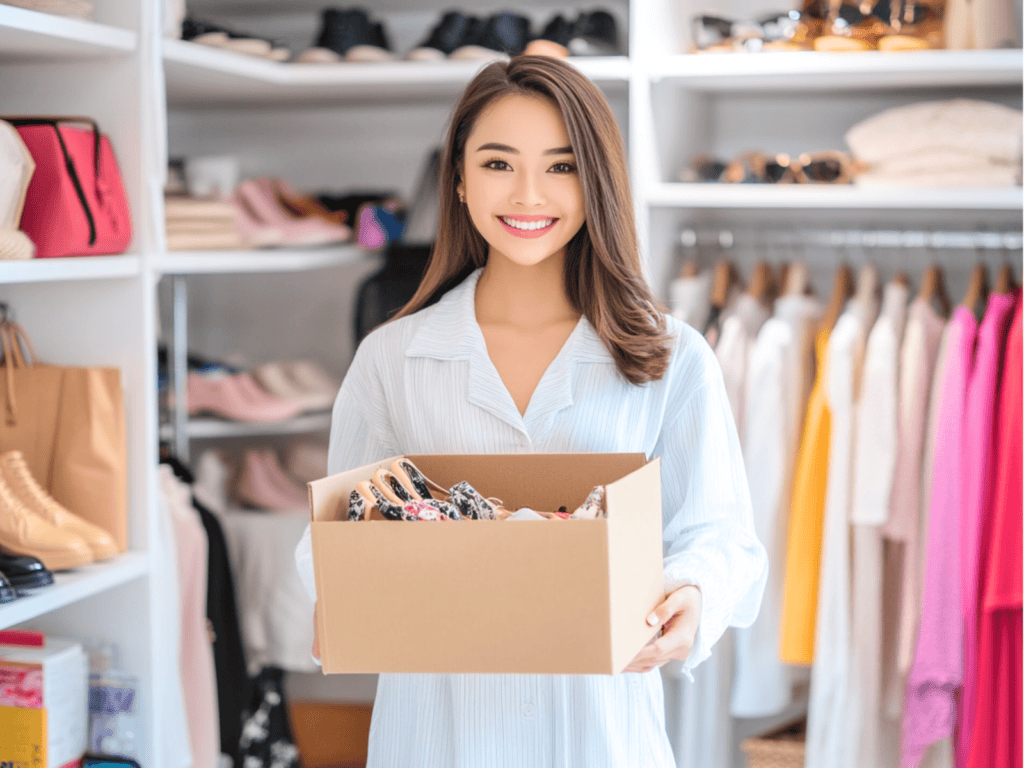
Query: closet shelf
[
  {"x": 838, "y": 196},
  {"x": 73, "y": 268},
  {"x": 199, "y": 75},
  {"x": 223, "y": 262},
  {"x": 33, "y": 36},
  {"x": 72, "y": 586},
  {"x": 212, "y": 429},
  {"x": 809, "y": 70}
]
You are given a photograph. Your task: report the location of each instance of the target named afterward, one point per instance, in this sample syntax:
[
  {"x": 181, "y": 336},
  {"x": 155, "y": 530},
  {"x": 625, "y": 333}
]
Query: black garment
[
  {"x": 234, "y": 687},
  {"x": 385, "y": 292},
  {"x": 233, "y": 683},
  {"x": 266, "y": 734}
]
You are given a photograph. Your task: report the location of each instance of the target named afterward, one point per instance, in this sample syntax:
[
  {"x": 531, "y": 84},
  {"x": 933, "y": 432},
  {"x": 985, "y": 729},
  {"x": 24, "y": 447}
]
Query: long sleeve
[
  {"x": 709, "y": 528},
  {"x": 360, "y": 434}
]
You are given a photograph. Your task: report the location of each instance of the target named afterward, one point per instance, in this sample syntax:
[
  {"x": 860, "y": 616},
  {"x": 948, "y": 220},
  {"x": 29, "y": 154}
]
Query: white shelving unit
[
  {"x": 218, "y": 429},
  {"x": 372, "y": 125}
]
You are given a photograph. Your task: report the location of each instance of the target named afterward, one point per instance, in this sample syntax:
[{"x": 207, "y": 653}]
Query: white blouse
[{"x": 425, "y": 384}]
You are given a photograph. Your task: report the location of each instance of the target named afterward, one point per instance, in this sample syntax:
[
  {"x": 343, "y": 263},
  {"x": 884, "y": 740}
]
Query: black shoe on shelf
[
  {"x": 595, "y": 34},
  {"x": 451, "y": 32},
  {"x": 553, "y": 40},
  {"x": 7, "y": 593},
  {"x": 501, "y": 35},
  {"x": 24, "y": 573},
  {"x": 347, "y": 35}
]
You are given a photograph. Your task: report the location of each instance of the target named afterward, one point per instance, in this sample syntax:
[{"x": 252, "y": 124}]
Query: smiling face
[{"x": 520, "y": 181}]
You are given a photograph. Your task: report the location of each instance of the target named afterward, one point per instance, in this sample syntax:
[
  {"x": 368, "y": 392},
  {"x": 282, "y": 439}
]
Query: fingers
[{"x": 678, "y": 617}]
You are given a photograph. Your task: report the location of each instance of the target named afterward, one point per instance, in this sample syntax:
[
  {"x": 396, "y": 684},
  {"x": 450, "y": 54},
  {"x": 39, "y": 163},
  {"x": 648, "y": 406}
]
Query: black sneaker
[
  {"x": 503, "y": 34},
  {"x": 553, "y": 40},
  {"x": 450, "y": 33},
  {"x": 595, "y": 35},
  {"x": 347, "y": 35}
]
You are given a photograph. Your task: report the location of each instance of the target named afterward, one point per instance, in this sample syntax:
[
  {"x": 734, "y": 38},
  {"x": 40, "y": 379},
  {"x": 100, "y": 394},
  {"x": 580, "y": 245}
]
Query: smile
[{"x": 533, "y": 226}]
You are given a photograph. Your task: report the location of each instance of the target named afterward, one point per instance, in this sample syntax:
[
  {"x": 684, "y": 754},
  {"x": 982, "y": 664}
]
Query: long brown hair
[{"x": 603, "y": 275}]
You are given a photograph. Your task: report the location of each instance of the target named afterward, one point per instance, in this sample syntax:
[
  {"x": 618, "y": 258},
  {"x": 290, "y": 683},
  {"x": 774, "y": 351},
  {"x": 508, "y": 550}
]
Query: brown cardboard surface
[
  {"x": 634, "y": 536},
  {"x": 490, "y": 596}
]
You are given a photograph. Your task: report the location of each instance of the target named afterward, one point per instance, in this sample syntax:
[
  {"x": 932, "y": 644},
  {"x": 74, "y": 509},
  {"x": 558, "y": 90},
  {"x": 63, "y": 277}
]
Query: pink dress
[
  {"x": 929, "y": 711},
  {"x": 977, "y": 481}
]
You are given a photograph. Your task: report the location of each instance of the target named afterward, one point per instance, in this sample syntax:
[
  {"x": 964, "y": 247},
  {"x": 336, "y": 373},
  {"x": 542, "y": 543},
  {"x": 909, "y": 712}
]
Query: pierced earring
[{"x": 462, "y": 199}]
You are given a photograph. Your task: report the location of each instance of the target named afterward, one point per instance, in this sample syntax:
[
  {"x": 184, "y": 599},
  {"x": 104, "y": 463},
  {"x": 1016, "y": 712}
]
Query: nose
[{"x": 528, "y": 190}]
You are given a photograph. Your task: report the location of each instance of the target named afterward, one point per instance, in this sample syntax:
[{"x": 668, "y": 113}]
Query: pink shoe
[
  {"x": 256, "y": 487},
  {"x": 237, "y": 398},
  {"x": 308, "y": 230},
  {"x": 254, "y": 232},
  {"x": 263, "y": 405},
  {"x": 288, "y": 488}
]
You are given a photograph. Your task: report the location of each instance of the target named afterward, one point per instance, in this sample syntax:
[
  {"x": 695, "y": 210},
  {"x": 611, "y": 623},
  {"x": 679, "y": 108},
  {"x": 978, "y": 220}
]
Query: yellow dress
[{"x": 807, "y": 512}]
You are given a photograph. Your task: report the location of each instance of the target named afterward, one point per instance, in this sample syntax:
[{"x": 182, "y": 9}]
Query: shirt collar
[{"x": 449, "y": 331}]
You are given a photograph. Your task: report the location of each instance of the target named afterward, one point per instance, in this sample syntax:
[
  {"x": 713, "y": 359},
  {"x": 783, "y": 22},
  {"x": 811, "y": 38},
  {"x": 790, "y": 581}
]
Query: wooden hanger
[
  {"x": 933, "y": 289},
  {"x": 901, "y": 279},
  {"x": 868, "y": 284},
  {"x": 797, "y": 279},
  {"x": 725, "y": 277},
  {"x": 842, "y": 290},
  {"x": 977, "y": 288},
  {"x": 760, "y": 284},
  {"x": 689, "y": 269},
  {"x": 1005, "y": 281}
]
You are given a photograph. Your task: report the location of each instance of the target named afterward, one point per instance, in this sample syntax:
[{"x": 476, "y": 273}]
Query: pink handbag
[{"x": 76, "y": 204}]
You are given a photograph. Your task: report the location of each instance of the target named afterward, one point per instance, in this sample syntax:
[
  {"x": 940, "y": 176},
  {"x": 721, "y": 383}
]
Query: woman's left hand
[{"x": 678, "y": 616}]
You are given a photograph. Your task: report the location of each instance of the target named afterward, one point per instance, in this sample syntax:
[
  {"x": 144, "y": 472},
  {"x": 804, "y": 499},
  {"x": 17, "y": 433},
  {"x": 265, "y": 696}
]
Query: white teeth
[{"x": 528, "y": 225}]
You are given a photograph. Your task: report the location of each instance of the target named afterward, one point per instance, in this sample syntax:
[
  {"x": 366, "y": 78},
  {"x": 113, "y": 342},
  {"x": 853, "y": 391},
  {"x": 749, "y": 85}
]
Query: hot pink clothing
[
  {"x": 997, "y": 740},
  {"x": 929, "y": 711},
  {"x": 977, "y": 481}
]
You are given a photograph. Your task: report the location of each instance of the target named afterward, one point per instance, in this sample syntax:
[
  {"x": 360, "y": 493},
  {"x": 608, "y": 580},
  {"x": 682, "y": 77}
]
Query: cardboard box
[
  {"x": 46, "y": 694},
  {"x": 488, "y": 596}
]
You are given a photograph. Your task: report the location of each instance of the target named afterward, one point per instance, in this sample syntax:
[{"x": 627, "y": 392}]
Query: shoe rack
[{"x": 352, "y": 125}]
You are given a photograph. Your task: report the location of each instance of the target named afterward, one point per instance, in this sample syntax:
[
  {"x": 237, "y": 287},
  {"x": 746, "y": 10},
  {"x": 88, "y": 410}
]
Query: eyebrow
[{"x": 495, "y": 147}]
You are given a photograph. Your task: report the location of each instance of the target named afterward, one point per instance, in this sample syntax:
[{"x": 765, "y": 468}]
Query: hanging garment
[
  {"x": 803, "y": 550},
  {"x": 779, "y": 367},
  {"x": 697, "y": 719},
  {"x": 739, "y": 330},
  {"x": 266, "y": 740},
  {"x": 929, "y": 711},
  {"x": 690, "y": 299},
  {"x": 171, "y": 742},
  {"x": 273, "y": 608},
  {"x": 443, "y": 395},
  {"x": 919, "y": 354},
  {"x": 874, "y": 460},
  {"x": 996, "y": 741},
  {"x": 199, "y": 681},
  {"x": 976, "y": 490},
  {"x": 830, "y": 717},
  {"x": 228, "y": 654}
]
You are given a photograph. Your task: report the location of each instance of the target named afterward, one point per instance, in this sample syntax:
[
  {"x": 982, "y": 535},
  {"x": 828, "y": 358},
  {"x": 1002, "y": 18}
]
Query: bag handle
[
  {"x": 54, "y": 121},
  {"x": 11, "y": 410}
]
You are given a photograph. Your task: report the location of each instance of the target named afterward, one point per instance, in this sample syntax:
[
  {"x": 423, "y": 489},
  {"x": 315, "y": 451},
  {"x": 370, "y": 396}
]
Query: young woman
[{"x": 533, "y": 330}]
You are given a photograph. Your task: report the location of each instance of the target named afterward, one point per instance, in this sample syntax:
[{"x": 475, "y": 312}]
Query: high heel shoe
[
  {"x": 397, "y": 494},
  {"x": 470, "y": 504}
]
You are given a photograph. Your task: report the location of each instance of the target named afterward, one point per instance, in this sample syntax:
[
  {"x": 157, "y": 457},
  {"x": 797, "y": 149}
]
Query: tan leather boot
[
  {"x": 24, "y": 487},
  {"x": 24, "y": 532}
]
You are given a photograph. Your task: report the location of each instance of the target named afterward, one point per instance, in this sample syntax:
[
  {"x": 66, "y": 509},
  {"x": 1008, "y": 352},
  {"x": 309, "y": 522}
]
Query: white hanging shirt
[
  {"x": 779, "y": 365},
  {"x": 874, "y": 462},
  {"x": 425, "y": 384},
  {"x": 690, "y": 299},
  {"x": 831, "y": 734}
]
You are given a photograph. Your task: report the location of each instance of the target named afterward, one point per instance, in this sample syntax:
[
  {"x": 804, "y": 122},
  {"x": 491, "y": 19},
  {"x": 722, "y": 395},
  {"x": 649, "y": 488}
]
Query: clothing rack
[{"x": 856, "y": 238}]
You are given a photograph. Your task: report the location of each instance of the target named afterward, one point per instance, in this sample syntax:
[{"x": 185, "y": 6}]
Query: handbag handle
[
  {"x": 12, "y": 337},
  {"x": 54, "y": 121}
]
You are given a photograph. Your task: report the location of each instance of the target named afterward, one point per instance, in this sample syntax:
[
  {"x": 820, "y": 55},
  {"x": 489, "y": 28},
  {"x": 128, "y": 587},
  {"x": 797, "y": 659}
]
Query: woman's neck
[{"x": 528, "y": 297}]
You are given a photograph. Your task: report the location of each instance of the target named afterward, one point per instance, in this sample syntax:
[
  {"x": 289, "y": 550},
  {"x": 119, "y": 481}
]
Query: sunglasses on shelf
[
  {"x": 712, "y": 32},
  {"x": 825, "y": 167}
]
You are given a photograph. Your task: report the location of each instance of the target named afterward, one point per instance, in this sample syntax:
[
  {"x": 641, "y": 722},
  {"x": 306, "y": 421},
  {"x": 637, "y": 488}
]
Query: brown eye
[
  {"x": 493, "y": 163},
  {"x": 563, "y": 168}
]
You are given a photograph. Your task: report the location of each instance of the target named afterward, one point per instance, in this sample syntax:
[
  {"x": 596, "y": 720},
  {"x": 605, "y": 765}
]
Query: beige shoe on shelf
[
  {"x": 24, "y": 487},
  {"x": 24, "y": 532}
]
